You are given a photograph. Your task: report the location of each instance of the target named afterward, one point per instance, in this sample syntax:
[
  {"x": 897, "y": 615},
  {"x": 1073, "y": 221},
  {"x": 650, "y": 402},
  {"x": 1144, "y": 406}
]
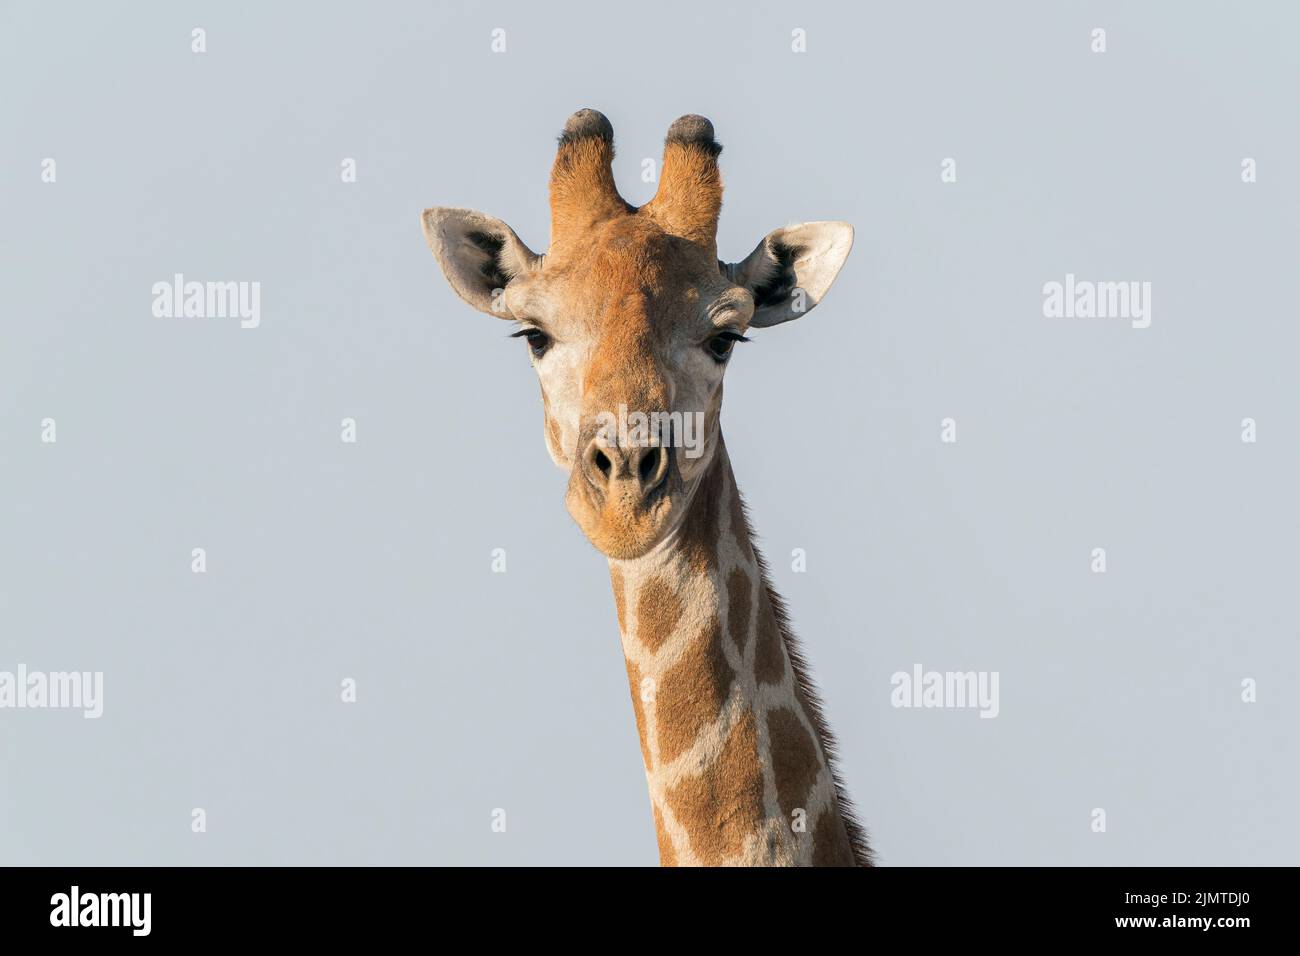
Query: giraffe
[{"x": 630, "y": 308}]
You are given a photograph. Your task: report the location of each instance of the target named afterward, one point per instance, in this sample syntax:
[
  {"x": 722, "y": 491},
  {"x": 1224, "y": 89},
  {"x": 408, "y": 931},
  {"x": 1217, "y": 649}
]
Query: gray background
[{"x": 372, "y": 561}]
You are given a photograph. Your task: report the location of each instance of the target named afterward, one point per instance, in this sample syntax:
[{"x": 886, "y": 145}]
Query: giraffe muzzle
[{"x": 622, "y": 495}]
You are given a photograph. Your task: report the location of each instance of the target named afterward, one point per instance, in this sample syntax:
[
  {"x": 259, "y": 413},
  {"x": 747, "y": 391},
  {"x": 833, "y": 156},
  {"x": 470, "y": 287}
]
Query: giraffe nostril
[
  {"x": 649, "y": 464},
  {"x": 602, "y": 462}
]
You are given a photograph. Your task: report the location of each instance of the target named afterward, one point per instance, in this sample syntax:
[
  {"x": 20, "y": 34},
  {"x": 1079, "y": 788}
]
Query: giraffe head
[{"x": 630, "y": 319}]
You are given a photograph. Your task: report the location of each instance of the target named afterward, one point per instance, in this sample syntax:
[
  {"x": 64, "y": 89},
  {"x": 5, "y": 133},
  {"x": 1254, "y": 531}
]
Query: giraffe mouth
[{"x": 625, "y": 518}]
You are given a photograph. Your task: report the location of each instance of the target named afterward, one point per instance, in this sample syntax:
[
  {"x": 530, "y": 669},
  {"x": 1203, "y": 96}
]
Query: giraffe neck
[{"x": 735, "y": 755}]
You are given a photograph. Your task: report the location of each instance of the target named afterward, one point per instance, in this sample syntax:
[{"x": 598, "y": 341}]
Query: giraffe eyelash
[
  {"x": 538, "y": 341},
  {"x": 720, "y": 344}
]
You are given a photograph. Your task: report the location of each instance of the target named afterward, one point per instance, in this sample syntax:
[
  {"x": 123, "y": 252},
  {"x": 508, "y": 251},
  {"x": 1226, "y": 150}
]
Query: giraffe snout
[
  {"x": 623, "y": 490},
  {"x": 632, "y": 472}
]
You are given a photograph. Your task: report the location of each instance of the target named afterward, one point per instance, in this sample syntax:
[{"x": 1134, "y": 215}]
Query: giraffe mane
[{"x": 807, "y": 688}]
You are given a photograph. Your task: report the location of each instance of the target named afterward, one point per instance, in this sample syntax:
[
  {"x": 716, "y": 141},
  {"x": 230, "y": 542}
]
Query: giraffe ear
[
  {"x": 791, "y": 269},
  {"x": 479, "y": 255}
]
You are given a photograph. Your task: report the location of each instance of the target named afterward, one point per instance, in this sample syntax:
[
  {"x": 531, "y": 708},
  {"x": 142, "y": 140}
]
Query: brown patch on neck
[
  {"x": 795, "y": 759},
  {"x": 658, "y": 609},
  {"x": 769, "y": 655},
  {"x": 739, "y": 593},
  {"x": 691, "y": 694},
  {"x": 723, "y": 806}
]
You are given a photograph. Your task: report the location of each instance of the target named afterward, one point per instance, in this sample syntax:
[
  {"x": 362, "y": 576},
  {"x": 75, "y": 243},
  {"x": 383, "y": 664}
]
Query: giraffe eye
[
  {"x": 538, "y": 341},
  {"x": 720, "y": 345}
]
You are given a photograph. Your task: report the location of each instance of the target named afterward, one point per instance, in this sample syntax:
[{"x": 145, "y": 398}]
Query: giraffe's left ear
[{"x": 791, "y": 269}]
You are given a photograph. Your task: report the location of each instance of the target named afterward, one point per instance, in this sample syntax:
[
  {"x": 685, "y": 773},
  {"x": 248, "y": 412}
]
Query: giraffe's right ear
[{"x": 479, "y": 255}]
